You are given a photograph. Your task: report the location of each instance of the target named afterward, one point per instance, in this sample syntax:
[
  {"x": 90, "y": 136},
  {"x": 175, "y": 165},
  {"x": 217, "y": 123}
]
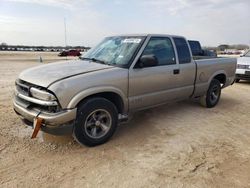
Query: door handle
[{"x": 176, "y": 71}]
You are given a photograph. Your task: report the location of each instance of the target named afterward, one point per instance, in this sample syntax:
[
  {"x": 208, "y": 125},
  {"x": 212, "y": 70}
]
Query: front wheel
[
  {"x": 96, "y": 122},
  {"x": 213, "y": 94},
  {"x": 237, "y": 80}
]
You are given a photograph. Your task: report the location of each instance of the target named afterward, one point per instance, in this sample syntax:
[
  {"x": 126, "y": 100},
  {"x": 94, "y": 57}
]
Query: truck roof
[{"x": 145, "y": 35}]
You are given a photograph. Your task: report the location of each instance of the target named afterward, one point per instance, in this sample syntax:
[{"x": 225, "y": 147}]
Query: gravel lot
[{"x": 177, "y": 145}]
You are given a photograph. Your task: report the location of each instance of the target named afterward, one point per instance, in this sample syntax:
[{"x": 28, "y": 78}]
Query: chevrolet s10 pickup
[{"x": 123, "y": 74}]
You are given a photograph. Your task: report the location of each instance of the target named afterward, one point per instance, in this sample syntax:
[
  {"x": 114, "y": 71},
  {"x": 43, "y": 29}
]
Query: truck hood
[
  {"x": 45, "y": 75},
  {"x": 243, "y": 60}
]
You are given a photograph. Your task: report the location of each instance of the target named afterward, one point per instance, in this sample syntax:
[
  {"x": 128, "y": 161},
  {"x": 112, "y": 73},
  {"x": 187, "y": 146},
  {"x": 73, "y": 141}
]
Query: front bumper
[
  {"x": 242, "y": 76},
  {"x": 54, "y": 123}
]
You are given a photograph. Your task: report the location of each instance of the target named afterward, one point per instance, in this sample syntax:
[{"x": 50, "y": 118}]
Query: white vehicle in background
[{"x": 243, "y": 67}]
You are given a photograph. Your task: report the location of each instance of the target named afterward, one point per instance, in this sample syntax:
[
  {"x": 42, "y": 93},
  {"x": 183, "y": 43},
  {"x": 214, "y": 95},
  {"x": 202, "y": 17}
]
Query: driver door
[{"x": 149, "y": 86}]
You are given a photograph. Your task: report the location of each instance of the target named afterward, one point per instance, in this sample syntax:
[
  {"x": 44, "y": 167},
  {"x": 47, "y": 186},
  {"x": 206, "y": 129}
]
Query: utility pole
[{"x": 65, "y": 33}]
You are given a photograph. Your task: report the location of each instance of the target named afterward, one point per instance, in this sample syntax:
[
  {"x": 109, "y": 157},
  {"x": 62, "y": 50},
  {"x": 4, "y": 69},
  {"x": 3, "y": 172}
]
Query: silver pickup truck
[{"x": 123, "y": 74}]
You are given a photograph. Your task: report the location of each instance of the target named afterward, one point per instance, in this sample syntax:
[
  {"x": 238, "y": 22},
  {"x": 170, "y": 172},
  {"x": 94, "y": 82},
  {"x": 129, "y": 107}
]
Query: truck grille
[{"x": 23, "y": 88}]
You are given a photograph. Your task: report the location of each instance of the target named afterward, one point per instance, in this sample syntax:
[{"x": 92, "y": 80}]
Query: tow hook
[{"x": 37, "y": 126}]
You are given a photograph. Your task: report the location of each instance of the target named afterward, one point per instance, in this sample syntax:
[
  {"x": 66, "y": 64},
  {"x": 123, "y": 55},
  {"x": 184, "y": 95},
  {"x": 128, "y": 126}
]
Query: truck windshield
[{"x": 115, "y": 50}]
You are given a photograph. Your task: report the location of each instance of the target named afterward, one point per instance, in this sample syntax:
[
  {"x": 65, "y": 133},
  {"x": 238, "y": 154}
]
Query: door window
[
  {"x": 162, "y": 49},
  {"x": 182, "y": 50}
]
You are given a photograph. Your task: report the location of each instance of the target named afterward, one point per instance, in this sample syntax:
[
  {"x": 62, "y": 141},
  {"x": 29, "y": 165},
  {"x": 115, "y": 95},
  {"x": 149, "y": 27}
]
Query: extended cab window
[
  {"x": 182, "y": 50},
  {"x": 195, "y": 47},
  {"x": 162, "y": 49}
]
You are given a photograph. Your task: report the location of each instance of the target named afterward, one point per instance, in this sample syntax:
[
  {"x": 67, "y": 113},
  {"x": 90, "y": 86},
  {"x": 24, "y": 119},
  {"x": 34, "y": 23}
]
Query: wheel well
[
  {"x": 221, "y": 78},
  {"x": 111, "y": 96}
]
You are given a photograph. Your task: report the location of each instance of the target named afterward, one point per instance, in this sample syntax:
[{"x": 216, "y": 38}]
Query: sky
[{"x": 41, "y": 22}]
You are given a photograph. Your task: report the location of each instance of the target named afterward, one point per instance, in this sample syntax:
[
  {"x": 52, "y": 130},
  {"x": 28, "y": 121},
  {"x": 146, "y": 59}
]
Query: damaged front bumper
[{"x": 60, "y": 123}]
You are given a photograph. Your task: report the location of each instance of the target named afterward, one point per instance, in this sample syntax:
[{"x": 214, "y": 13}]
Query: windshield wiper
[{"x": 94, "y": 60}]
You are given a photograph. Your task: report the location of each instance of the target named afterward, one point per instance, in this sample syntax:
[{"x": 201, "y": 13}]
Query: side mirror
[{"x": 147, "y": 61}]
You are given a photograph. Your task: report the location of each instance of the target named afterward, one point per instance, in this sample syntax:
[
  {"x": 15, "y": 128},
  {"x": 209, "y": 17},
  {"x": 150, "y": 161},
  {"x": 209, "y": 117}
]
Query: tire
[
  {"x": 237, "y": 80},
  {"x": 212, "y": 97},
  {"x": 96, "y": 122}
]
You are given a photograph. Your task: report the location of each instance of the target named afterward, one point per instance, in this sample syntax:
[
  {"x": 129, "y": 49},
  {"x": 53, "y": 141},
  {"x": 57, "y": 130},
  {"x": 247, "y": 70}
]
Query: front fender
[{"x": 95, "y": 90}]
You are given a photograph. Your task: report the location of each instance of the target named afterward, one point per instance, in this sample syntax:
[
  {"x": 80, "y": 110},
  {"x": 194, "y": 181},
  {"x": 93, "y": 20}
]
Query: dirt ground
[{"x": 177, "y": 145}]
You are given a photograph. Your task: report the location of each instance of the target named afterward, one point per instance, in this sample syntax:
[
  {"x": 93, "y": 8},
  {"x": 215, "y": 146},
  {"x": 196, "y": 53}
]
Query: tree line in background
[
  {"x": 224, "y": 47},
  {"x": 5, "y": 46}
]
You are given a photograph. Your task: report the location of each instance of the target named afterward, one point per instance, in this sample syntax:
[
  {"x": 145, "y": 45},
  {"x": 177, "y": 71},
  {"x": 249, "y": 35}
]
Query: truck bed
[{"x": 208, "y": 68}]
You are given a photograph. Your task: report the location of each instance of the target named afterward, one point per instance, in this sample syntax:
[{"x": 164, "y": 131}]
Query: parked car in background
[
  {"x": 198, "y": 52},
  {"x": 243, "y": 67},
  {"x": 70, "y": 53}
]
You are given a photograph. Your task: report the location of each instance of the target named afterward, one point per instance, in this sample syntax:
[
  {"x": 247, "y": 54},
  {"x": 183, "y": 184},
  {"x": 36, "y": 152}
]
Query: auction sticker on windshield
[{"x": 131, "y": 40}]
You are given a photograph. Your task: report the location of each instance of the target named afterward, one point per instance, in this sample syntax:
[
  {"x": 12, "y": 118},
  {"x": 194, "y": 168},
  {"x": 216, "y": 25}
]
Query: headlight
[
  {"x": 42, "y": 95},
  {"x": 239, "y": 66}
]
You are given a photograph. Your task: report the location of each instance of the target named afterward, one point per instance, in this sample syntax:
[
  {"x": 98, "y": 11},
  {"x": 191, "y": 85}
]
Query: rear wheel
[
  {"x": 213, "y": 94},
  {"x": 96, "y": 122}
]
